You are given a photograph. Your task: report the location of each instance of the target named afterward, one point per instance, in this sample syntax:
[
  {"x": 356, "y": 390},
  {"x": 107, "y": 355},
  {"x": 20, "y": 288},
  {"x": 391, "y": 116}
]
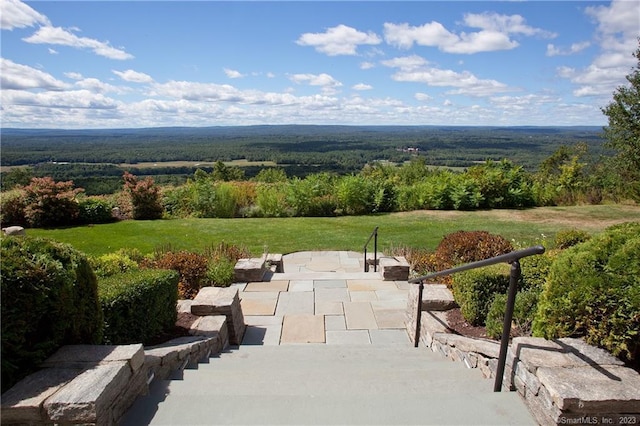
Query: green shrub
[
  {"x": 535, "y": 270},
  {"x": 112, "y": 264},
  {"x": 475, "y": 289},
  {"x": 12, "y": 205},
  {"x": 355, "y": 195},
  {"x": 569, "y": 238},
  {"x": 94, "y": 211},
  {"x": 49, "y": 299},
  {"x": 271, "y": 199},
  {"x": 593, "y": 290},
  {"x": 138, "y": 305},
  {"x": 220, "y": 273},
  {"x": 524, "y": 311}
]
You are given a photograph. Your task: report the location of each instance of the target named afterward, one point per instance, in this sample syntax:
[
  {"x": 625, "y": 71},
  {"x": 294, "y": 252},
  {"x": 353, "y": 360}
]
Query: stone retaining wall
[
  {"x": 93, "y": 384},
  {"x": 564, "y": 381}
]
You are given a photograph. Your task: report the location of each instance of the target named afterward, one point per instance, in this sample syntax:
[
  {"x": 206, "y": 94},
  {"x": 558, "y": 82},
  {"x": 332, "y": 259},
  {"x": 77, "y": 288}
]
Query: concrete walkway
[
  {"x": 324, "y": 297},
  {"x": 326, "y": 345}
]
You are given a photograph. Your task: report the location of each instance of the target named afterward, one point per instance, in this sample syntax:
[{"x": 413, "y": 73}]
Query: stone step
[{"x": 318, "y": 384}]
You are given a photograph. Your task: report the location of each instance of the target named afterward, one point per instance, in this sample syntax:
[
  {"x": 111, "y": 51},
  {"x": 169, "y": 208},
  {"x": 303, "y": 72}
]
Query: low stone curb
[
  {"x": 96, "y": 384},
  {"x": 563, "y": 381}
]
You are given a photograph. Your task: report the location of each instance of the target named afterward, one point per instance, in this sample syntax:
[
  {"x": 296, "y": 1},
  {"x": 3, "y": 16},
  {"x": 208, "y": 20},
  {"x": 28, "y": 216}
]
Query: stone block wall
[
  {"x": 95, "y": 385},
  {"x": 564, "y": 381}
]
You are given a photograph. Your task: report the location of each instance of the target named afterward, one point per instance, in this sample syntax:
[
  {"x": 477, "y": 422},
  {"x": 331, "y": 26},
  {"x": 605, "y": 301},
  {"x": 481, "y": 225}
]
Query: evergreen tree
[{"x": 623, "y": 132}]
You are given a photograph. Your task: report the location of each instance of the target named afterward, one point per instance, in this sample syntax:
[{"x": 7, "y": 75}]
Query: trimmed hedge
[
  {"x": 475, "y": 289},
  {"x": 138, "y": 305},
  {"x": 593, "y": 290},
  {"x": 524, "y": 311},
  {"x": 49, "y": 299}
]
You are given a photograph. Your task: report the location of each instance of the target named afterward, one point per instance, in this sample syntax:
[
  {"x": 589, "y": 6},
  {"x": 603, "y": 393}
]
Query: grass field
[{"x": 285, "y": 235}]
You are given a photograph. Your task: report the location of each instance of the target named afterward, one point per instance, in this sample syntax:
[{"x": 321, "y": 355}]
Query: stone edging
[
  {"x": 96, "y": 384},
  {"x": 564, "y": 381}
]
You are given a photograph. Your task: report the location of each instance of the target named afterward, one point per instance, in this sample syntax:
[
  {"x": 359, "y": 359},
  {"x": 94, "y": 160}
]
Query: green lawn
[{"x": 286, "y": 235}]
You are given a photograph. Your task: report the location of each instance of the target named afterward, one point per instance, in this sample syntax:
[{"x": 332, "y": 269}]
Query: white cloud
[
  {"x": 340, "y": 40},
  {"x": 367, "y": 65},
  {"x": 617, "y": 32},
  {"x": 233, "y": 73},
  {"x": 494, "y": 34},
  {"x": 505, "y": 24},
  {"x": 73, "y": 75},
  {"x": 71, "y": 99},
  {"x": 96, "y": 86},
  {"x": 415, "y": 69},
  {"x": 406, "y": 63},
  {"x": 16, "y": 14},
  {"x": 53, "y": 51},
  {"x": 362, "y": 86},
  {"x": 422, "y": 97},
  {"x": 552, "y": 50},
  {"x": 328, "y": 84},
  {"x": 133, "y": 76},
  {"x": 22, "y": 77},
  {"x": 63, "y": 37}
]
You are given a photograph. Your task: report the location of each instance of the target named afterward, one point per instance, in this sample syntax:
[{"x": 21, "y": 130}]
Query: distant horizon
[
  {"x": 150, "y": 64},
  {"x": 306, "y": 125}
]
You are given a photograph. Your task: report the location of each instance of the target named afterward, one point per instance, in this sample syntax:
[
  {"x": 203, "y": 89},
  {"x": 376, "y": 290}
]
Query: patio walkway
[{"x": 324, "y": 297}]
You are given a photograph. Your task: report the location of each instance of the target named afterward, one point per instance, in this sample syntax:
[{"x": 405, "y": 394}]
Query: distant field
[
  {"x": 237, "y": 163},
  {"x": 422, "y": 229}
]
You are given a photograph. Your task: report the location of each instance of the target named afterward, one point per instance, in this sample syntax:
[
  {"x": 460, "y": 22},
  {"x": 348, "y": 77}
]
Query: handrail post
[
  {"x": 514, "y": 277},
  {"x": 366, "y": 264},
  {"x": 374, "y": 235},
  {"x": 375, "y": 250},
  {"x": 416, "y": 336}
]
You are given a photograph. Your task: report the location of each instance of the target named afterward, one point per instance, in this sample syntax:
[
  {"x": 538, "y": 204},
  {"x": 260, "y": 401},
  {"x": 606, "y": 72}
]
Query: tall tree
[{"x": 623, "y": 132}]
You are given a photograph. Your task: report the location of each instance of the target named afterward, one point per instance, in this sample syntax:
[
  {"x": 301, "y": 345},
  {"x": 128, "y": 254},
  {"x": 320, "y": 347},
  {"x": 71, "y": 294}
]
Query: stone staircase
[{"x": 327, "y": 385}]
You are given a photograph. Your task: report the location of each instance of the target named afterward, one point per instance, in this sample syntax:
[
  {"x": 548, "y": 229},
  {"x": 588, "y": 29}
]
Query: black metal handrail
[
  {"x": 514, "y": 259},
  {"x": 373, "y": 235}
]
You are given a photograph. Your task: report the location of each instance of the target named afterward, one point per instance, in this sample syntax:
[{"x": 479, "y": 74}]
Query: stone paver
[
  {"x": 348, "y": 337},
  {"x": 362, "y": 296},
  {"x": 270, "y": 286},
  {"x": 329, "y": 284},
  {"x": 329, "y": 308},
  {"x": 334, "y": 322},
  {"x": 259, "y": 306},
  {"x": 301, "y": 285},
  {"x": 359, "y": 315},
  {"x": 295, "y": 303},
  {"x": 390, "y": 318},
  {"x": 303, "y": 329},
  {"x": 389, "y": 337}
]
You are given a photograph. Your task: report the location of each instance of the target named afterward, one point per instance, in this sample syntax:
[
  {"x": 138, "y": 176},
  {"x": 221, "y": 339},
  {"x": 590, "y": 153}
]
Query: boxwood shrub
[
  {"x": 49, "y": 299},
  {"x": 593, "y": 290},
  {"x": 138, "y": 305},
  {"x": 475, "y": 289}
]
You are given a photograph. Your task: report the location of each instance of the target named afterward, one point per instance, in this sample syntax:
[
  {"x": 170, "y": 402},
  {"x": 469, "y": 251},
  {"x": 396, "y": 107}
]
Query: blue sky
[{"x": 118, "y": 64}]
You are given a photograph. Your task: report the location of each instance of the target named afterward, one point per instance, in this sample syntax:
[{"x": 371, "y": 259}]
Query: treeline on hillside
[
  {"x": 563, "y": 178},
  {"x": 92, "y": 158},
  {"x": 318, "y": 145}
]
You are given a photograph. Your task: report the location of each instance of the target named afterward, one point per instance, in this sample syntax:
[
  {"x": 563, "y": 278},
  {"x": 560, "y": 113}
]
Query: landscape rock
[{"x": 14, "y": 231}]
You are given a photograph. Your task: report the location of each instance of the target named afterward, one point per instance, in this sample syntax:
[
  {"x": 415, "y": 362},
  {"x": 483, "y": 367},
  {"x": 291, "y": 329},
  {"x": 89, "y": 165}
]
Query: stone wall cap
[
  {"x": 23, "y": 402},
  {"x": 593, "y": 388},
  {"x": 82, "y": 356}
]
